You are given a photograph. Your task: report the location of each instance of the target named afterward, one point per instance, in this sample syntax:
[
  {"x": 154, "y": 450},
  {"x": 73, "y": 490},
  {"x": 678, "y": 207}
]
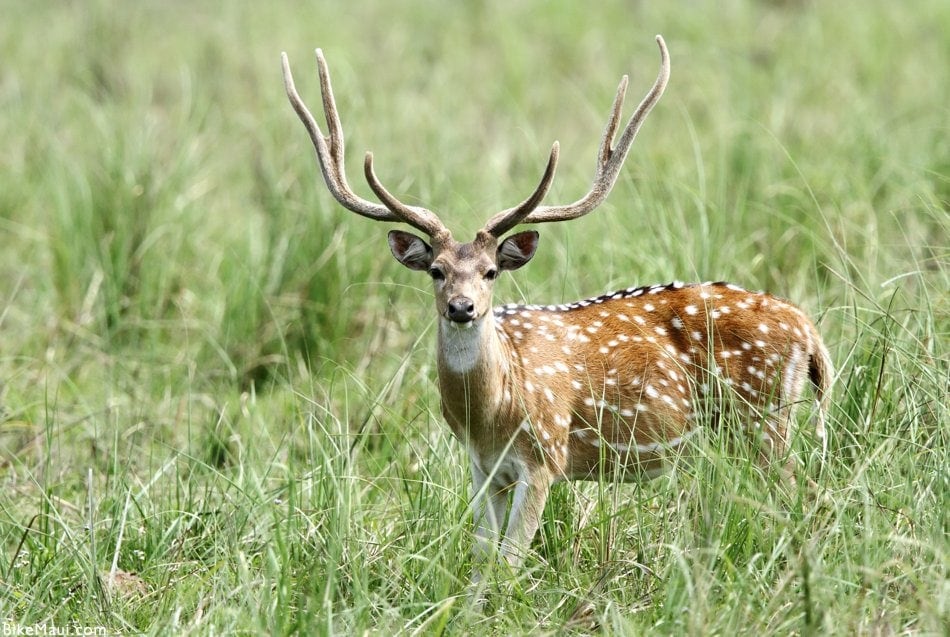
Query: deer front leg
[
  {"x": 488, "y": 512},
  {"x": 531, "y": 493}
]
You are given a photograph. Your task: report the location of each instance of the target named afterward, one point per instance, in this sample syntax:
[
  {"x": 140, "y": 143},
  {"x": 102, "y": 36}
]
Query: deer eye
[
  {"x": 436, "y": 274},
  {"x": 491, "y": 275}
]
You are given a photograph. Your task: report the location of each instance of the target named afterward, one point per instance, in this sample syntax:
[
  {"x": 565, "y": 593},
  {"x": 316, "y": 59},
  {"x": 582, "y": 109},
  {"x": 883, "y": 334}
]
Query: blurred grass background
[{"x": 227, "y": 378}]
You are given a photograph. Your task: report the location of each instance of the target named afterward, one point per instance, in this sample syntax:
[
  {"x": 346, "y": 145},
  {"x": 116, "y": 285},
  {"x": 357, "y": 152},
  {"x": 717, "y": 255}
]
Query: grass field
[{"x": 217, "y": 402}]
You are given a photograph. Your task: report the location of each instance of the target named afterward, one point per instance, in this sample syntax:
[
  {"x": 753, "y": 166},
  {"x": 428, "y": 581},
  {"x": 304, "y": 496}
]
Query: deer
[{"x": 612, "y": 385}]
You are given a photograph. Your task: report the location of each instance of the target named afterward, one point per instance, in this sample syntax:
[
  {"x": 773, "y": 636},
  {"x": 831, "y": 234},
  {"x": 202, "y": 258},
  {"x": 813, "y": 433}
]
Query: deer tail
[{"x": 821, "y": 373}]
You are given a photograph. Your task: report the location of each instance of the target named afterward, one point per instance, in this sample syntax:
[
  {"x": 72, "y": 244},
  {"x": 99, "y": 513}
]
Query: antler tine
[
  {"x": 505, "y": 220},
  {"x": 610, "y": 160},
  {"x": 610, "y": 130},
  {"x": 330, "y": 155},
  {"x": 419, "y": 218}
]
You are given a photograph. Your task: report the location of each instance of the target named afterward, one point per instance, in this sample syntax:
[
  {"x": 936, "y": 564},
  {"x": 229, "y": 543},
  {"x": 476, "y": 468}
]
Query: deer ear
[
  {"x": 410, "y": 250},
  {"x": 517, "y": 250}
]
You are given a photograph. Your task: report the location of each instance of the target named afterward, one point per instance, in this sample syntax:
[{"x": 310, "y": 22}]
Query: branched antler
[
  {"x": 330, "y": 155},
  {"x": 609, "y": 158}
]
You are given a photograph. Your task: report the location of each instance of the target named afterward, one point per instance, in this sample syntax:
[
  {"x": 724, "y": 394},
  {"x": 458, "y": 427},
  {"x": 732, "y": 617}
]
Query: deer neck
[{"x": 472, "y": 372}]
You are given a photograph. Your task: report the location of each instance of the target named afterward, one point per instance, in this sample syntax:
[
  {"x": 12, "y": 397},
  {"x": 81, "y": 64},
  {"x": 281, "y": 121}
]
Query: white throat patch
[{"x": 461, "y": 343}]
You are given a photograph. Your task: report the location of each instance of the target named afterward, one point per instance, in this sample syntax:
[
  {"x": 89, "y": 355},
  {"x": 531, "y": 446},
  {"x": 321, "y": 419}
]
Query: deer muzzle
[{"x": 461, "y": 310}]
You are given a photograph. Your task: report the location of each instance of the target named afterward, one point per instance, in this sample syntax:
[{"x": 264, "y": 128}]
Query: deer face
[{"x": 463, "y": 274}]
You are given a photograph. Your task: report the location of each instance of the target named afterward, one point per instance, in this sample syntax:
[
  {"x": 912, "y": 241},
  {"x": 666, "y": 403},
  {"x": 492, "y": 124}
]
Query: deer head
[{"x": 464, "y": 273}]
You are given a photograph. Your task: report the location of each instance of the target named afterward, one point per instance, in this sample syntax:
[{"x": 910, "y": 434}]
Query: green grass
[{"x": 217, "y": 408}]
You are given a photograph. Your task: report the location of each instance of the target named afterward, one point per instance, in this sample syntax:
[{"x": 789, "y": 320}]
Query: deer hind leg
[
  {"x": 778, "y": 420},
  {"x": 774, "y": 439}
]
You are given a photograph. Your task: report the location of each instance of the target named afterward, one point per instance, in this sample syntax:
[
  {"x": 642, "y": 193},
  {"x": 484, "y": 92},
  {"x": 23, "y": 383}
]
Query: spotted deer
[{"x": 611, "y": 385}]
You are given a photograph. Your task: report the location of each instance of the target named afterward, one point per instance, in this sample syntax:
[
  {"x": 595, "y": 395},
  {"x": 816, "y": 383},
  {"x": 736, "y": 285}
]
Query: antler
[
  {"x": 609, "y": 160},
  {"x": 508, "y": 219},
  {"x": 330, "y": 157}
]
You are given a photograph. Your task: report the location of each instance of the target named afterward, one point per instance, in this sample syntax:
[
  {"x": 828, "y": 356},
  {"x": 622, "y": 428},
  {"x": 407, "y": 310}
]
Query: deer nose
[{"x": 461, "y": 309}]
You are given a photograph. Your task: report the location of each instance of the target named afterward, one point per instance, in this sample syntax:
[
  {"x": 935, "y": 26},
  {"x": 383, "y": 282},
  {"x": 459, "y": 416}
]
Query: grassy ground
[{"x": 217, "y": 412}]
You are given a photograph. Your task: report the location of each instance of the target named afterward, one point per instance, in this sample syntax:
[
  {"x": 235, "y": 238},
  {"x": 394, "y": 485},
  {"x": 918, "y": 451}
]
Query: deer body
[
  {"x": 638, "y": 370},
  {"x": 609, "y": 386}
]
